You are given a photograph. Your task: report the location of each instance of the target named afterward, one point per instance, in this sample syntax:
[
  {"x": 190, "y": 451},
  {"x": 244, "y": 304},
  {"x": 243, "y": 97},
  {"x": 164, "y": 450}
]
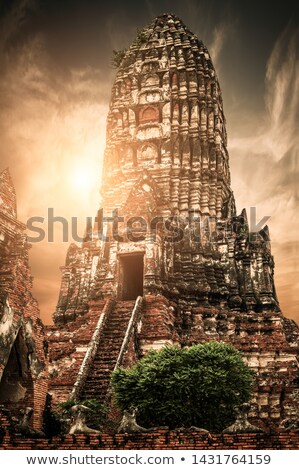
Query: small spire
[
  {"x": 5, "y": 176},
  {"x": 8, "y": 201},
  {"x": 264, "y": 232},
  {"x": 244, "y": 217},
  {"x": 88, "y": 230}
]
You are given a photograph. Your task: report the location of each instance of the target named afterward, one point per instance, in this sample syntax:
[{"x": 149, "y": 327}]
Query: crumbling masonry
[
  {"x": 177, "y": 265},
  {"x": 164, "y": 279},
  {"x": 23, "y": 363}
]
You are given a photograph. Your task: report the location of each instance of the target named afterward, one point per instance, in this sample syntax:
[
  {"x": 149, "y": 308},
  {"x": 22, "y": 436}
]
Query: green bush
[
  {"x": 58, "y": 420},
  {"x": 196, "y": 386},
  {"x": 117, "y": 57}
]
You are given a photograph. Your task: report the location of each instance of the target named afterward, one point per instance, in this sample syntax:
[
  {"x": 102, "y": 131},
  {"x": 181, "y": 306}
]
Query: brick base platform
[{"x": 157, "y": 440}]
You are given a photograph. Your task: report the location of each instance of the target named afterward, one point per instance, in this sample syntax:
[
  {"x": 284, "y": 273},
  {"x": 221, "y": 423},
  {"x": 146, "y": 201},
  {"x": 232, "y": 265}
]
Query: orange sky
[{"x": 52, "y": 128}]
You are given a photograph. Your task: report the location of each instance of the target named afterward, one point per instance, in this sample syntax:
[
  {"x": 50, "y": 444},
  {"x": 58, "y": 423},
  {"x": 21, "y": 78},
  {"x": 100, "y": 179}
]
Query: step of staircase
[{"x": 98, "y": 380}]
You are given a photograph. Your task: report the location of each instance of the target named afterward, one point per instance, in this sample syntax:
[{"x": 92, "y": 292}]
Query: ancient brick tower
[
  {"x": 23, "y": 362},
  {"x": 182, "y": 267}
]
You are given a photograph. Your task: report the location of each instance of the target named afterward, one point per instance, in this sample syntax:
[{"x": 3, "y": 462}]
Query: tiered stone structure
[
  {"x": 180, "y": 245},
  {"x": 23, "y": 363}
]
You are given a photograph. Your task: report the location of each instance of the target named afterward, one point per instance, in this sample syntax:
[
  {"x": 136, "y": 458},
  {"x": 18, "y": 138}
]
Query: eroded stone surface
[
  {"x": 128, "y": 423},
  {"x": 79, "y": 426},
  {"x": 166, "y": 156},
  {"x": 241, "y": 424},
  {"x": 24, "y": 425},
  {"x": 23, "y": 363}
]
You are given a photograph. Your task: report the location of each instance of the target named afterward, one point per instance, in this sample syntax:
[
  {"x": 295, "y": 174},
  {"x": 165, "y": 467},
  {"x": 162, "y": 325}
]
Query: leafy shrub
[
  {"x": 117, "y": 57},
  {"x": 196, "y": 386},
  {"x": 57, "y": 420}
]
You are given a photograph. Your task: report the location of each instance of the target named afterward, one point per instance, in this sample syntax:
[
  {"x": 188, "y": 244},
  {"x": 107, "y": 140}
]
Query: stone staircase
[{"x": 98, "y": 379}]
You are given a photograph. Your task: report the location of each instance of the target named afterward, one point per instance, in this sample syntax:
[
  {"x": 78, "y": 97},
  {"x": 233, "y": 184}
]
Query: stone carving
[
  {"x": 241, "y": 425},
  {"x": 215, "y": 281},
  {"x": 24, "y": 426},
  {"x": 290, "y": 423},
  {"x": 79, "y": 426},
  {"x": 128, "y": 423}
]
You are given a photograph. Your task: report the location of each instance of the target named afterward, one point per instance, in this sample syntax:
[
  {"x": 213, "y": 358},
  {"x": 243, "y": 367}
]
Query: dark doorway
[{"x": 131, "y": 276}]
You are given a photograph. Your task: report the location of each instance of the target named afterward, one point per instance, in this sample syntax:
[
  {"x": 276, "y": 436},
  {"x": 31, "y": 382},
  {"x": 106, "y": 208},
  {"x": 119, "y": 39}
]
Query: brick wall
[
  {"x": 22, "y": 338},
  {"x": 158, "y": 440}
]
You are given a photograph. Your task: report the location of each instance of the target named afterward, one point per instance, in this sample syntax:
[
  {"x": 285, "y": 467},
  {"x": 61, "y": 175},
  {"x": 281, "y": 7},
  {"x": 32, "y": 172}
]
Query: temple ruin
[
  {"x": 176, "y": 265},
  {"x": 23, "y": 360},
  {"x": 167, "y": 260}
]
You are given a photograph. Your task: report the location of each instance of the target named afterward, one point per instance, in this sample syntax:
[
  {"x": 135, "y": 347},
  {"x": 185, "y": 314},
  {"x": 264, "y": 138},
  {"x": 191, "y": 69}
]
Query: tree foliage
[
  {"x": 196, "y": 386},
  {"x": 58, "y": 420},
  {"x": 117, "y": 57},
  {"x": 96, "y": 415},
  {"x": 141, "y": 37}
]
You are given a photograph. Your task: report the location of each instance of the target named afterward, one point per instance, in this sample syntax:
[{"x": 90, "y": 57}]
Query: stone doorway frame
[{"x": 120, "y": 271}]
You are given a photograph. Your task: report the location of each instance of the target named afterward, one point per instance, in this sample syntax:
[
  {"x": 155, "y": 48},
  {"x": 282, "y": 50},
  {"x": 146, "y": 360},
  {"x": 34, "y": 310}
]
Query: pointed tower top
[
  {"x": 164, "y": 36},
  {"x": 5, "y": 174},
  {"x": 166, "y": 117},
  {"x": 8, "y": 202},
  {"x": 166, "y": 18}
]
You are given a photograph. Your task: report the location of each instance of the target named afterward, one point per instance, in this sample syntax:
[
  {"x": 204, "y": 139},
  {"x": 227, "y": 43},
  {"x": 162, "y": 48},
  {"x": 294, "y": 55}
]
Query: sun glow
[{"x": 81, "y": 178}]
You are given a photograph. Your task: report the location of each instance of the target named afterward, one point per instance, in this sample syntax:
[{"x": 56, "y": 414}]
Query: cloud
[
  {"x": 282, "y": 93},
  {"x": 265, "y": 162},
  {"x": 151, "y": 9},
  {"x": 272, "y": 149},
  {"x": 220, "y": 35},
  {"x": 13, "y": 20},
  {"x": 52, "y": 126}
]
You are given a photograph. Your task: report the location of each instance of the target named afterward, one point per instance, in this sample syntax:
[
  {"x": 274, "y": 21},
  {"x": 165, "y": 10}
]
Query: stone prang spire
[
  {"x": 166, "y": 118},
  {"x": 168, "y": 261}
]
